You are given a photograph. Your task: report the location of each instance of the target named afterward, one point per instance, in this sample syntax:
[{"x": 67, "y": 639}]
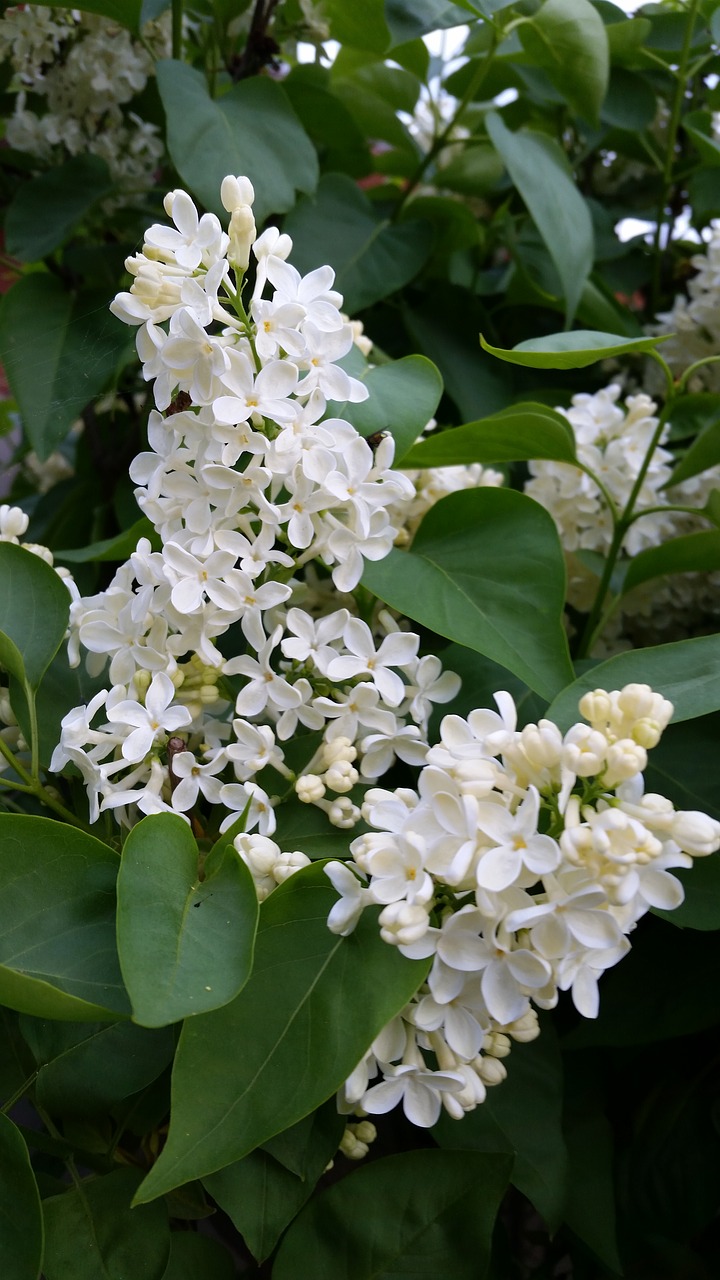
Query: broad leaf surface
[
  {"x": 553, "y": 201},
  {"x": 92, "y": 1233},
  {"x": 251, "y": 129},
  {"x": 34, "y": 611},
  {"x": 57, "y": 368},
  {"x": 372, "y": 258},
  {"x": 46, "y": 209},
  {"x": 432, "y": 1214},
  {"x": 185, "y": 943},
  {"x": 21, "y": 1224},
  {"x": 120, "y": 547},
  {"x": 196, "y": 1257},
  {"x": 704, "y": 452},
  {"x": 404, "y": 395},
  {"x": 571, "y": 350},
  {"x": 312, "y": 1006},
  {"x": 57, "y": 922},
  {"x": 481, "y": 563},
  {"x": 568, "y": 40},
  {"x": 101, "y": 1066},
  {"x": 517, "y": 434},
  {"x": 695, "y": 552},
  {"x": 686, "y": 671}
]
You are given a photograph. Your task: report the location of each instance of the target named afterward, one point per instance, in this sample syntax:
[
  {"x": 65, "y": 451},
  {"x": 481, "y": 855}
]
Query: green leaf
[
  {"x": 481, "y": 562},
  {"x": 687, "y": 672},
  {"x": 57, "y": 922},
  {"x": 21, "y": 1223},
  {"x": 702, "y": 454},
  {"x": 590, "y": 1206},
  {"x": 57, "y": 367},
  {"x": 432, "y": 1214},
  {"x": 91, "y": 1232},
  {"x": 691, "y": 553},
  {"x": 185, "y": 934},
  {"x": 408, "y": 19},
  {"x": 701, "y": 908},
  {"x": 288, "y": 1041},
  {"x": 34, "y": 612},
  {"x": 698, "y": 126},
  {"x": 682, "y": 767},
  {"x": 626, "y": 37},
  {"x": 361, "y": 27},
  {"x": 517, "y": 434},
  {"x": 195, "y": 1257},
  {"x": 372, "y": 258},
  {"x": 568, "y": 40},
  {"x": 262, "y": 1196},
  {"x": 476, "y": 171},
  {"x": 481, "y": 680},
  {"x": 553, "y": 201},
  {"x": 631, "y": 102},
  {"x": 120, "y": 547},
  {"x": 251, "y": 129},
  {"x": 571, "y": 350},
  {"x": 306, "y": 828},
  {"x": 523, "y": 1115},
  {"x": 404, "y": 396},
  {"x": 443, "y": 327},
  {"x": 46, "y": 209},
  {"x": 100, "y": 1066},
  {"x": 336, "y": 136}
]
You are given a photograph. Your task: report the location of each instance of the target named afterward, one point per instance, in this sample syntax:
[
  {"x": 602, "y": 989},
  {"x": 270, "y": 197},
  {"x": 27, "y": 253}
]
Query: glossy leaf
[
  {"x": 480, "y": 563},
  {"x": 443, "y": 327},
  {"x": 196, "y": 1257},
  {"x": 262, "y": 1196},
  {"x": 408, "y": 19},
  {"x": 432, "y": 1214},
  {"x": 120, "y": 547},
  {"x": 92, "y": 1232},
  {"x": 372, "y": 258},
  {"x": 682, "y": 768},
  {"x": 57, "y": 368},
  {"x": 104, "y": 1065},
  {"x": 703, "y": 452},
  {"x": 553, "y": 201},
  {"x": 694, "y": 552},
  {"x": 701, "y": 908},
  {"x": 404, "y": 396},
  {"x": 21, "y": 1223},
  {"x": 251, "y": 129},
  {"x": 290, "y": 1038},
  {"x": 57, "y": 922},
  {"x": 474, "y": 171},
  {"x": 517, "y": 434},
  {"x": 523, "y": 1115},
  {"x": 568, "y": 40},
  {"x": 361, "y": 28},
  {"x": 185, "y": 934},
  {"x": 46, "y": 209},
  {"x": 686, "y": 671},
  {"x": 571, "y": 350},
  {"x": 590, "y": 1204},
  {"x": 34, "y": 611}
]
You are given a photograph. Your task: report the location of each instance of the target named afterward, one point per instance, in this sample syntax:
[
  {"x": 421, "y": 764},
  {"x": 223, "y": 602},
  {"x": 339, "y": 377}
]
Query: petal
[{"x": 499, "y": 868}]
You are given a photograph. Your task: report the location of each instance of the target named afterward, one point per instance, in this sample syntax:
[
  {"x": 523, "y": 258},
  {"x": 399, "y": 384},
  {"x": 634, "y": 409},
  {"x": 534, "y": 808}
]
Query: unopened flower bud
[
  {"x": 309, "y": 788},
  {"x": 403, "y": 922},
  {"x": 235, "y": 192},
  {"x": 341, "y": 777},
  {"x": 584, "y": 751},
  {"x": 287, "y": 864},
  {"x": 343, "y": 813},
  {"x": 625, "y": 759},
  {"x": 696, "y": 833},
  {"x": 491, "y": 1071}
]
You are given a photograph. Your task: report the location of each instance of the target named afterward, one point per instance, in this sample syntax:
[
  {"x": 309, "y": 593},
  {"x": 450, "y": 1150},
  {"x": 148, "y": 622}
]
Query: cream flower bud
[
  {"x": 365, "y": 1131},
  {"x": 584, "y": 751},
  {"x": 403, "y": 922},
  {"x": 309, "y": 788},
  {"x": 696, "y": 833},
  {"x": 258, "y": 852},
  {"x": 341, "y": 776},
  {"x": 343, "y": 813},
  {"x": 242, "y": 231},
  {"x": 638, "y": 701},
  {"x": 496, "y": 1044},
  {"x": 235, "y": 192},
  {"x": 596, "y": 706},
  {"x": 524, "y": 1029},
  {"x": 491, "y": 1071},
  {"x": 625, "y": 758},
  {"x": 13, "y": 522},
  {"x": 647, "y": 732},
  {"x": 542, "y": 744},
  {"x": 287, "y": 864},
  {"x": 339, "y": 749}
]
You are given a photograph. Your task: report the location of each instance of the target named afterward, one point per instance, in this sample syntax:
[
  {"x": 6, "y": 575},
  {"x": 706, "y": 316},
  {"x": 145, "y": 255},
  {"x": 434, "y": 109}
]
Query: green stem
[
  {"x": 474, "y": 84},
  {"x": 683, "y": 381},
  {"x": 177, "y": 17},
  {"x": 671, "y": 506},
  {"x": 18, "y": 1094},
  {"x": 670, "y": 142},
  {"x": 33, "y": 786},
  {"x": 603, "y": 489}
]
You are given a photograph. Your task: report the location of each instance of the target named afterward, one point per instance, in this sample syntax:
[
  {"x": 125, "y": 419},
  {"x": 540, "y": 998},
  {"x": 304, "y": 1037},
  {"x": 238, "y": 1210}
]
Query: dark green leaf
[
  {"x": 481, "y": 679},
  {"x": 571, "y": 350},
  {"x": 691, "y": 553},
  {"x": 361, "y": 27},
  {"x": 687, "y": 672},
  {"x": 701, "y": 908},
  {"x": 185, "y": 940},
  {"x": 120, "y": 547},
  {"x": 57, "y": 922},
  {"x": 290, "y": 1038},
  {"x": 444, "y": 328},
  {"x": 698, "y": 124},
  {"x": 195, "y": 1257},
  {"x": 631, "y": 102},
  {"x": 252, "y": 130},
  {"x": 372, "y": 258},
  {"x": 45, "y": 210},
  {"x": 626, "y": 37},
  {"x": 305, "y": 828},
  {"x": 568, "y": 40},
  {"x": 553, "y": 201},
  {"x": 517, "y": 434},
  {"x": 34, "y": 611},
  {"x": 476, "y": 171},
  {"x": 432, "y": 1214},
  {"x": 682, "y": 768},
  {"x": 21, "y": 1224},
  {"x": 92, "y": 1233},
  {"x": 327, "y": 121},
  {"x": 56, "y": 368},
  {"x": 523, "y": 1114},
  {"x": 104, "y": 1065},
  {"x": 408, "y": 19},
  {"x": 404, "y": 395},
  {"x": 590, "y": 1204},
  {"x": 262, "y": 1196},
  {"x": 480, "y": 563},
  {"x": 703, "y": 452}
]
